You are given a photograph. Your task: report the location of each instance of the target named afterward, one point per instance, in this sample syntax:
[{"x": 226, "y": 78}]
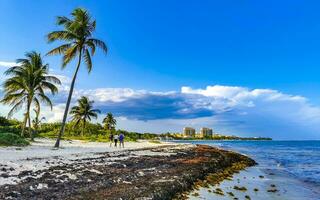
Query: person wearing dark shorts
[
  {"x": 116, "y": 137},
  {"x": 121, "y": 140},
  {"x": 111, "y": 139}
]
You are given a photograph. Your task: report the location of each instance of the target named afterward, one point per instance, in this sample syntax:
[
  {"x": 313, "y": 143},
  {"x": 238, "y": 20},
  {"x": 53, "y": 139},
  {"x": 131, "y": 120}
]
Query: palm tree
[
  {"x": 77, "y": 33},
  {"x": 109, "y": 122},
  {"x": 26, "y": 86},
  {"x": 83, "y": 112},
  {"x": 36, "y": 121}
]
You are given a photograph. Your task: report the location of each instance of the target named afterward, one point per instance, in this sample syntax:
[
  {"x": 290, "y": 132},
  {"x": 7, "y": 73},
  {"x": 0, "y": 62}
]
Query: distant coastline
[
  {"x": 235, "y": 138},
  {"x": 172, "y": 136},
  {"x": 205, "y": 133}
]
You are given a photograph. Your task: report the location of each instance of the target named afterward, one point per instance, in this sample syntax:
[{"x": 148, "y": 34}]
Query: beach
[
  {"x": 87, "y": 170},
  {"x": 41, "y": 155},
  {"x": 157, "y": 170}
]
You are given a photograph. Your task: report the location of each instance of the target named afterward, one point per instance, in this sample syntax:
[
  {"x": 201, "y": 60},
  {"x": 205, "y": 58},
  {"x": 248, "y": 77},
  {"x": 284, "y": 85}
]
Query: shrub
[
  {"x": 10, "y": 139},
  {"x": 4, "y": 121},
  {"x": 49, "y": 134},
  {"x": 10, "y": 129}
]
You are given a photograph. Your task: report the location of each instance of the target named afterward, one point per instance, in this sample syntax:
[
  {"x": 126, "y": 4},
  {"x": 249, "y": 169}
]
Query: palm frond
[
  {"x": 61, "y": 35},
  {"x": 92, "y": 46},
  {"x": 59, "y": 50},
  {"x": 87, "y": 60},
  {"x": 37, "y": 105},
  {"x": 69, "y": 54},
  {"x": 49, "y": 86},
  {"x": 96, "y": 111},
  {"x": 45, "y": 99},
  {"x": 15, "y": 108},
  {"x": 53, "y": 79},
  {"x": 62, "y": 20},
  {"x": 99, "y": 43},
  {"x": 12, "y": 98}
]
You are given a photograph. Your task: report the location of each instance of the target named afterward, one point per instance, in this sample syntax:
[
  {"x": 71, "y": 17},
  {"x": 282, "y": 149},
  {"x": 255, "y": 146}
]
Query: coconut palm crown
[
  {"x": 26, "y": 86},
  {"x": 77, "y": 35},
  {"x": 109, "y": 121},
  {"x": 83, "y": 112}
]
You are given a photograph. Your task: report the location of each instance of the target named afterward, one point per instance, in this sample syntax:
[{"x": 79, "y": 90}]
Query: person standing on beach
[
  {"x": 116, "y": 137},
  {"x": 121, "y": 140},
  {"x": 111, "y": 139}
]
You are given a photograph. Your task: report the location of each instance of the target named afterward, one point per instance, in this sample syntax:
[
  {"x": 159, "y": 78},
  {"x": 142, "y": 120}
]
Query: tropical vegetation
[
  {"x": 91, "y": 132},
  {"x": 83, "y": 112},
  {"x": 26, "y": 87},
  {"x": 10, "y": 139},
  {"x": 109, "y": 122}
]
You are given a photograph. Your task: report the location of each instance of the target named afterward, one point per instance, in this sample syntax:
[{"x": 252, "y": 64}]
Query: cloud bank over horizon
[{"x": 227, "y": 109}]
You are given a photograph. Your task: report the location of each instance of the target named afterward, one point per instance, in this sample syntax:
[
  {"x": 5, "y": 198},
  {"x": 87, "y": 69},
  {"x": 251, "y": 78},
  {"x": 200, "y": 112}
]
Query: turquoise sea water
[{"x": 297, "y": 159}]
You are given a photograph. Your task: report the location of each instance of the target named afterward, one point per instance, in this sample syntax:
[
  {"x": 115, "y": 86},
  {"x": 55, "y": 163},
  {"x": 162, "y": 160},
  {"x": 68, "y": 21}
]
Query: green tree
[
  {"x": 26, "y": 86},
  {"x": 83, "y": 112},
  {"x": 37, "y": 121},
  {"x": 109, "y": 122},
  {"x": 77, "y": 33},
  {"x": 4, "y": 121}
]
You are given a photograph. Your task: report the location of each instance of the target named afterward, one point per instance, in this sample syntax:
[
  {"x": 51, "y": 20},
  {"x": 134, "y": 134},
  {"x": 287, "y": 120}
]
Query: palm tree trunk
[
  {"x": 24, "y": 124},
  {"x": 30, "y": 129},
  {"x": 57, "y": 144},
  {"x": 83, "y": 127},
  {"x": 29, "y": 120}
]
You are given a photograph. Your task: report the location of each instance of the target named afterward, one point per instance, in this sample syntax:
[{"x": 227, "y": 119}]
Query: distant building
[
  {"x": 189, "y": 132},
  {"x": 206, "y": 132},
  {"x": 199, "y": 135}
]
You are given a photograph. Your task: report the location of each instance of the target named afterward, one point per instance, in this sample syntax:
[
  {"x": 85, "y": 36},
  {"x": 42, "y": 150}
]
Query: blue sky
[{"x": 161, "y": 46}]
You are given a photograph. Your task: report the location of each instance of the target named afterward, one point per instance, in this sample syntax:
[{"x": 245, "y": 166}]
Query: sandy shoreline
[
  {"x": 93, "y": 171},
  {"x": 259, "y": 184},
  {"x": 41, "y": 155}
]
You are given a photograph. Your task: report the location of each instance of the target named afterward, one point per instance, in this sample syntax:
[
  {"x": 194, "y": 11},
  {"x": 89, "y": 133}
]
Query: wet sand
[{"x": 256, "y": 183}]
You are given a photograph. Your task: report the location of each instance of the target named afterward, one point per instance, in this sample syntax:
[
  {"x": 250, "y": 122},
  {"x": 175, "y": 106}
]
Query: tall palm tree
[
  {"x": 77, "y": 33},
  {"x": 109, "y": 122},
  {"x": 83, "y": 112},
  {"x": 26, "y": 86}
]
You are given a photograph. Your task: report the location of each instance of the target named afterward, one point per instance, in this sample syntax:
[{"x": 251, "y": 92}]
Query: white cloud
[
  {"x": 111, "y": 94},
  {"x": 7, "y": 64},
  {"x": 54, "y": 115}
]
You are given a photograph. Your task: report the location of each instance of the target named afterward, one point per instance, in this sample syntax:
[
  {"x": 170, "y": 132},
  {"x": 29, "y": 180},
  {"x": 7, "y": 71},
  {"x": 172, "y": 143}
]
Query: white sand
[{"x": 41, "y": 155}]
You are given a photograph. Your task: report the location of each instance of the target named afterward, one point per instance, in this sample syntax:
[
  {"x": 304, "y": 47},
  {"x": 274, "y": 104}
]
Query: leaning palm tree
[
  {"x": 109, "y": 122},
  {"x": 77, "y": 33},
  {"x": 83, "y": 112},
  {"x": 26, "y": 86}
]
